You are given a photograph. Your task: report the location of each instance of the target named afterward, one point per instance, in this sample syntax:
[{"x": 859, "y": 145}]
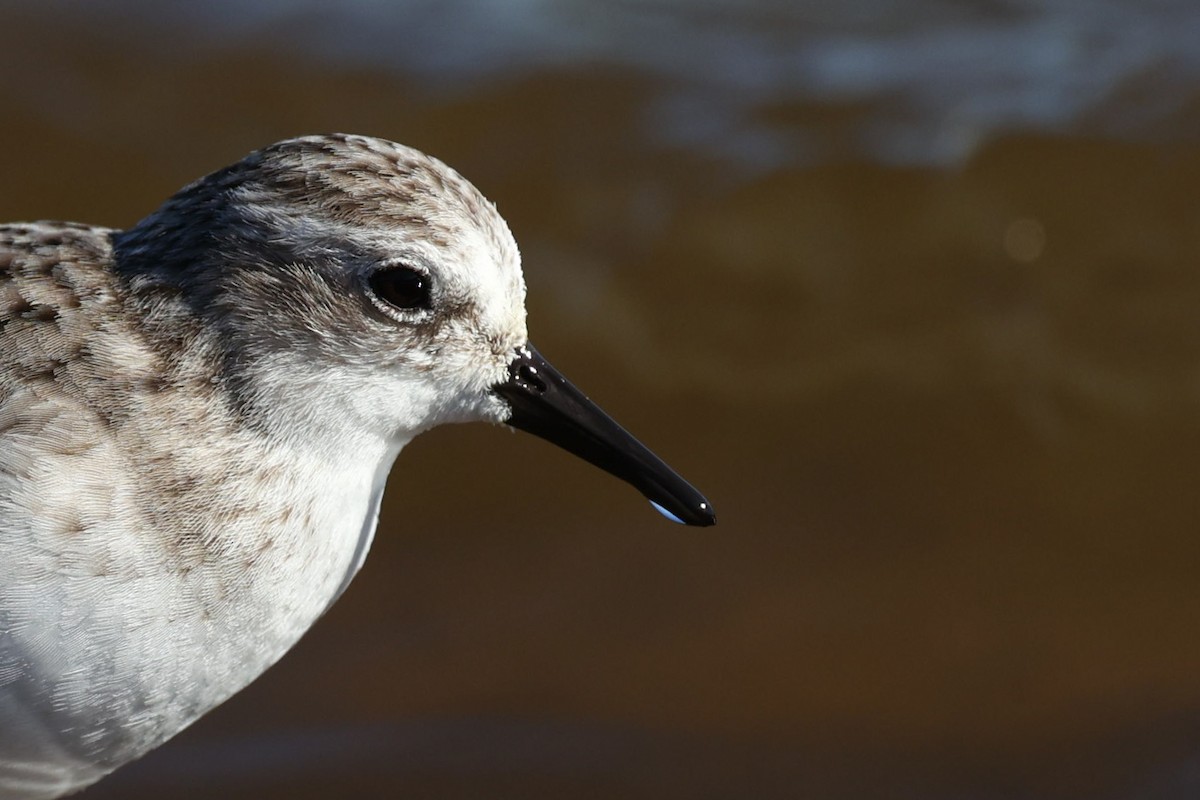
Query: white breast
[{"x": 119, "y": 626}]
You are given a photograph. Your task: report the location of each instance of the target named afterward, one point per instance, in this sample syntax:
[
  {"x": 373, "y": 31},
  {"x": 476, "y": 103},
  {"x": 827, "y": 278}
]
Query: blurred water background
[{"x": 910, "y": 289}]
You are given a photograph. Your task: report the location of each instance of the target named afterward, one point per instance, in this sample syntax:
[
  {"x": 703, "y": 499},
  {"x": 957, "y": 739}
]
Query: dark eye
[{"x": 402, "y": 287}]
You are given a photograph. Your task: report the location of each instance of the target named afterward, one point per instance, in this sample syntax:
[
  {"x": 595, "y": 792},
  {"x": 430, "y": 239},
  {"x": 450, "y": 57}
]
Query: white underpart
[
  {"x": 156, "y": 637},
  {"x": 370, "y": 522}
]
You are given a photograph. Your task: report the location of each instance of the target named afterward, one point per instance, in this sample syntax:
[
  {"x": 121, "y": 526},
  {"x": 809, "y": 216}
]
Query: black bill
[{"x": 546, "y": 404}]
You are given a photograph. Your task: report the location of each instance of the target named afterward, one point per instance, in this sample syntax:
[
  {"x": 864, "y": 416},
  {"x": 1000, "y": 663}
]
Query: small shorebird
[{"x": 198, "y": 414}]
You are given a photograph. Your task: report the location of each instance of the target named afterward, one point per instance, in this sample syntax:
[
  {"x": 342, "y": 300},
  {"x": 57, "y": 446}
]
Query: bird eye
[{"x": 402, "y": 287}]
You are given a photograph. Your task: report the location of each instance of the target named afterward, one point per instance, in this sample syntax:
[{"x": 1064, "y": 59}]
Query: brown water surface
[{"x": 949, "y": 417}]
